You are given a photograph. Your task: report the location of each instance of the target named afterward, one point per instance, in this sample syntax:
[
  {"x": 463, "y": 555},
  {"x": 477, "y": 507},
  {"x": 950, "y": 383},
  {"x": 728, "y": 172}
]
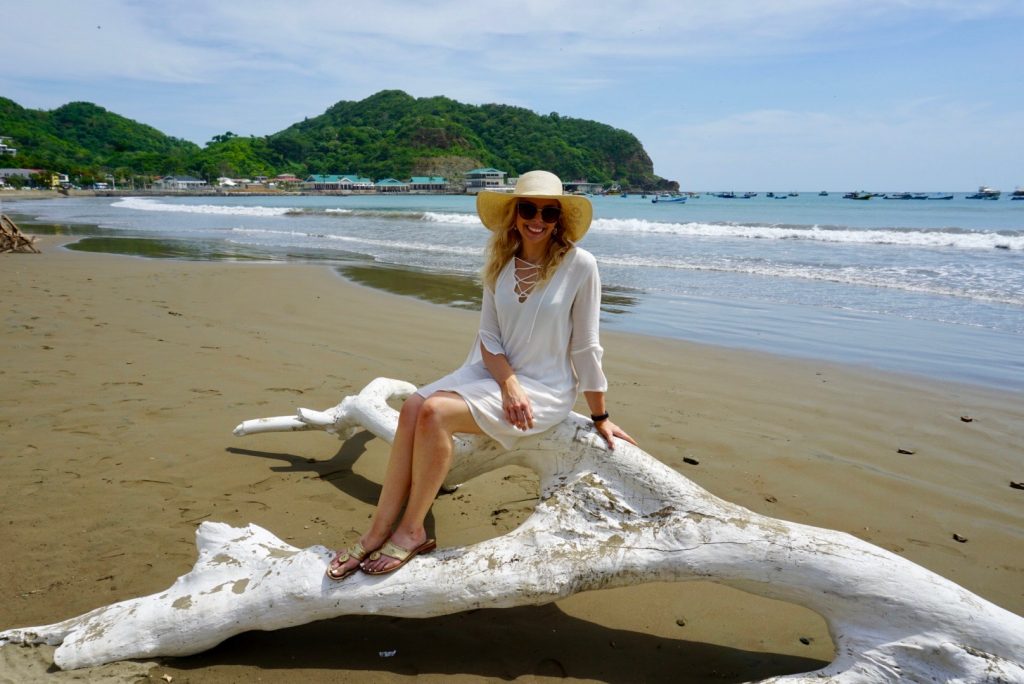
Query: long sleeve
[
  {"x": 585, "y": 345},
  {"x": 490, "y": 331}
]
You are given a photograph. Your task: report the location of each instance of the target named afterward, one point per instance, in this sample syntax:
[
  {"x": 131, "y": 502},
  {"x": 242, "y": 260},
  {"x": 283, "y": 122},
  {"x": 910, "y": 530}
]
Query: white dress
[{"x": 551, "y": 341}]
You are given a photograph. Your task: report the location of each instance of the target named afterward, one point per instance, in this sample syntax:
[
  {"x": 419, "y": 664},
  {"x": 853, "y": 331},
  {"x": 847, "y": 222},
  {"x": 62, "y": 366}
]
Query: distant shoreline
[{"x": 56, "y": 194}]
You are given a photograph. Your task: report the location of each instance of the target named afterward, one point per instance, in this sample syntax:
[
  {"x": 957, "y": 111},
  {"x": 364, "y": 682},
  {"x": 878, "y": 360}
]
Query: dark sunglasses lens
[
  {"x": 548, "y": 214},
  {"x": 527, "y": 211}
]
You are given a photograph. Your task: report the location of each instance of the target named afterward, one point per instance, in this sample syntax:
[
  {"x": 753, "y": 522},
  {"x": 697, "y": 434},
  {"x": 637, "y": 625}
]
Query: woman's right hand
[{"x": 516, "y": 404}]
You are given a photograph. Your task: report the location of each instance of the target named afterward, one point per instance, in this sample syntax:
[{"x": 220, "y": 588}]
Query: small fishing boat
[
  {"x": 985, "y": 193},
  {"x": 668, "y": 200},
  {"x": 1017, "y": 194},
  {"x": 941, "y": 196},
  {"x": 858, "y": 195},
  {"x": 823, "y": 193},
  {"x": 898, "y": 196}
]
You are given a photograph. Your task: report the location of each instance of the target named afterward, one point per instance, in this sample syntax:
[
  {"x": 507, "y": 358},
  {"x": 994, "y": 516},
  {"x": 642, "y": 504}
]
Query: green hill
[
  {"x": 393, "y": 134},
  {"x": 81, "y": 136},
  {"x": 389, "y": 134}
]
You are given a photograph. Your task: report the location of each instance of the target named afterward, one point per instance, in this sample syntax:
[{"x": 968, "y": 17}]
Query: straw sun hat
[{"x": 496, "y": 209}]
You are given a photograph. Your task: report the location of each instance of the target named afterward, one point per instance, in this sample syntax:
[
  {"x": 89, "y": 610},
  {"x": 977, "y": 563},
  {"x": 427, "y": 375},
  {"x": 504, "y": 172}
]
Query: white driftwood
[{"x": 603, "y": 520}]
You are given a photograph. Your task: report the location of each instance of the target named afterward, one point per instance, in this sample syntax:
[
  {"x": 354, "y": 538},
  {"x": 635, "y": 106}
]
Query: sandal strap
[
  {"x": 355, "y": 552},
  {"x": 358, "y": 551},
  {"x": 391, "y": 550}
]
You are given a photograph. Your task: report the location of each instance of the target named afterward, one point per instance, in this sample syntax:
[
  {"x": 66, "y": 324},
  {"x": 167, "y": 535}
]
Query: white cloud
[
  {"x": 194, "y": 68},
  {"x": 200, "y": 41}
]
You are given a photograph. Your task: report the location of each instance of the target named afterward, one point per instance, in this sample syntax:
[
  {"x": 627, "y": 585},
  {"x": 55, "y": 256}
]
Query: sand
[{"x": 123, "y": 378}]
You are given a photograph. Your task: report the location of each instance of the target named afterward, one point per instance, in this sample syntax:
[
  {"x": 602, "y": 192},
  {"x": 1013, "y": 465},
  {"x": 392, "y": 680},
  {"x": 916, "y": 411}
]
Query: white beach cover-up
[{"x": 551, "y": 341}]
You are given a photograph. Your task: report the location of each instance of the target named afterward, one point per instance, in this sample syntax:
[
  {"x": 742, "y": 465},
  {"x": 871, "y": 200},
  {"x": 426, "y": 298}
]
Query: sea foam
[
  {"x": 146, "y": 204},
  {"x": 910, "y": 237}
]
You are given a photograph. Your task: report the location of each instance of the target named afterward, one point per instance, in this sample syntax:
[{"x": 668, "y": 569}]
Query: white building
[
  {"x": 179, "y": 183},
  {"x": 485, "y": 179}
]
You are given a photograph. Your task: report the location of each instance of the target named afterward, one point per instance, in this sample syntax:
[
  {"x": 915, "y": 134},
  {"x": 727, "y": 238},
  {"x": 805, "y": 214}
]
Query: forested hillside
[
  {"x": 394, "y": 134},
  {"x": 80, "y": 137},
  {"x": 389, "y": 134}
]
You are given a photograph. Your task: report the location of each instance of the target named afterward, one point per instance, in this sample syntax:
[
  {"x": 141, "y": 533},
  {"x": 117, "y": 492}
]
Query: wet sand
[{"x": 124, "y": 377}]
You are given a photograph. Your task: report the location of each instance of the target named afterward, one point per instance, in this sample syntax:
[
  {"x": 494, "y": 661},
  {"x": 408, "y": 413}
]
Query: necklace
[{"x": 527, "y": 275}]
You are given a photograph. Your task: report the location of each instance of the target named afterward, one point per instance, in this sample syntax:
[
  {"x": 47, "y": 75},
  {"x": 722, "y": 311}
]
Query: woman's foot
[
  {"x": 408, "y": 545},
  {"x": 348, "y": 561}
]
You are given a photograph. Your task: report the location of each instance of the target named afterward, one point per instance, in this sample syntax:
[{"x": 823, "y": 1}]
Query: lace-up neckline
[{"x": 527, "y": 275}]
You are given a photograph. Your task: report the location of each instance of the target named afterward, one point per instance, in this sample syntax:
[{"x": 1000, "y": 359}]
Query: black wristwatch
[{"x": 600, "y": 418}]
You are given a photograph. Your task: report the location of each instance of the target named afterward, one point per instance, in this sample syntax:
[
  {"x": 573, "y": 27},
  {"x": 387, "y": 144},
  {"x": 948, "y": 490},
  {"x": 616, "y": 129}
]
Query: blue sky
[{"x": 724, "y": 94}]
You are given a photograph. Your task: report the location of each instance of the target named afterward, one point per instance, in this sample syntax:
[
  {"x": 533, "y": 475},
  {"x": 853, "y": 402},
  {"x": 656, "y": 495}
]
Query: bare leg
[
  {"x": 441, "y": 416},
  {"x": 395, "y": 489}
]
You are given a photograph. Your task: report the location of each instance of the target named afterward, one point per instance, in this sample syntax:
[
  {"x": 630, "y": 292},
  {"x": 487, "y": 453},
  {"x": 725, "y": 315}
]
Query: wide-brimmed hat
[{"x": 496, "y": 209}]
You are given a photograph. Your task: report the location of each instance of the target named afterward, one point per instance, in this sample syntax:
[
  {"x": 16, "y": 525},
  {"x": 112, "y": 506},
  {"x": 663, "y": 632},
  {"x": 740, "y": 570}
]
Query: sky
[{"x": 916, "y": 95}]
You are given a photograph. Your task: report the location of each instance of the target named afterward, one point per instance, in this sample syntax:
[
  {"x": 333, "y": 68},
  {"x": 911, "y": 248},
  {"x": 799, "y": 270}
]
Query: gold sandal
[
  {"x": 400, "y": 554},
  {"x": 355, "y": 552}
]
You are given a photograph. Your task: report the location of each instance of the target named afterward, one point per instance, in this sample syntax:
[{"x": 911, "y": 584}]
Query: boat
[
  {"x": 794, "y": 194},
  {"x": 668, "y": 200},
  {"x": 748, "y": 195},
  {"x": 1017, "y": 194},
  {"x": 985, "y": 193},
  {"x": 941, "y": 196},
  {"x": 823, "y": 193},
  {"x": 858, "y": 195},
  {"x": 919, "y": 196},
  {"x": 898, "y": 196},
  {"x": 726, "y": 195}
]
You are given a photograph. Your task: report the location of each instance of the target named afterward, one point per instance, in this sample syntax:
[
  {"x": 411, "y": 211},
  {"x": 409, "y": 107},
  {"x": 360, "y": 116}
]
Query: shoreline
[
  {"x": 927, "y": 349},
  {"x": 57, "y": 194},
  {"x": 129, "y": 375}
]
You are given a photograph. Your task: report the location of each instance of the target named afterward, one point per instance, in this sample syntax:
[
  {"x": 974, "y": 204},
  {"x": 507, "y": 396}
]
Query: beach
[{"x": 125, "y": 377}]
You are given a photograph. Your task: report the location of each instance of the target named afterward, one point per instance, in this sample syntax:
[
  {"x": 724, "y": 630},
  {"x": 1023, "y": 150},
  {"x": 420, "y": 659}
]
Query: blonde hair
[{"x": 504, "y": 245}]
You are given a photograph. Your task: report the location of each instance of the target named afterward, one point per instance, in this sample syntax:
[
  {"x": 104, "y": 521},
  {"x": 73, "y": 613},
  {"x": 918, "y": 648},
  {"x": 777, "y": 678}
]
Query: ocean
[{"x": 932, "y": 288}]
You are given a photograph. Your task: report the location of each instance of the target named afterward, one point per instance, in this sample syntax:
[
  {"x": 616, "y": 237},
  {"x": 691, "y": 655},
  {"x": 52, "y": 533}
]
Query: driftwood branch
[
  {"x": 12, "y": 239},
  {"x": 603, "y": 520}
]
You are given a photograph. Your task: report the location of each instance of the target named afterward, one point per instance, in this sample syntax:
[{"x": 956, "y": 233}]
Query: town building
[
  {"x": 392, "y": 185},
  {"x": 5, "y": 148},
  {"x": 485, "y": 179},
  {"x": 581, "y": 187},
  {"x": 285, "y": 179},
  {"x": 23, "y": 173},
  {"x": 427, "y": 184},
  {"x": 179, "y": 183},
  {"x": 338, "y": 182}
]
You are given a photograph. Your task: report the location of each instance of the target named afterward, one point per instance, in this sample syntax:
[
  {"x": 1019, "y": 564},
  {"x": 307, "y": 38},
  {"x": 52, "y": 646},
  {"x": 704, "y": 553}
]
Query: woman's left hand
[{"x": 608, "y": 429}]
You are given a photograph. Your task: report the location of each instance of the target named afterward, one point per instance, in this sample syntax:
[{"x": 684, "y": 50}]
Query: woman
[{"x": 537, "y": 348}]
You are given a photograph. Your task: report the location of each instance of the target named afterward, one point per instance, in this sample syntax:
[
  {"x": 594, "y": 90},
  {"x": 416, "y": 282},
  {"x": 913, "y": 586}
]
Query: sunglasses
[{"x": 549, "y": 214}]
